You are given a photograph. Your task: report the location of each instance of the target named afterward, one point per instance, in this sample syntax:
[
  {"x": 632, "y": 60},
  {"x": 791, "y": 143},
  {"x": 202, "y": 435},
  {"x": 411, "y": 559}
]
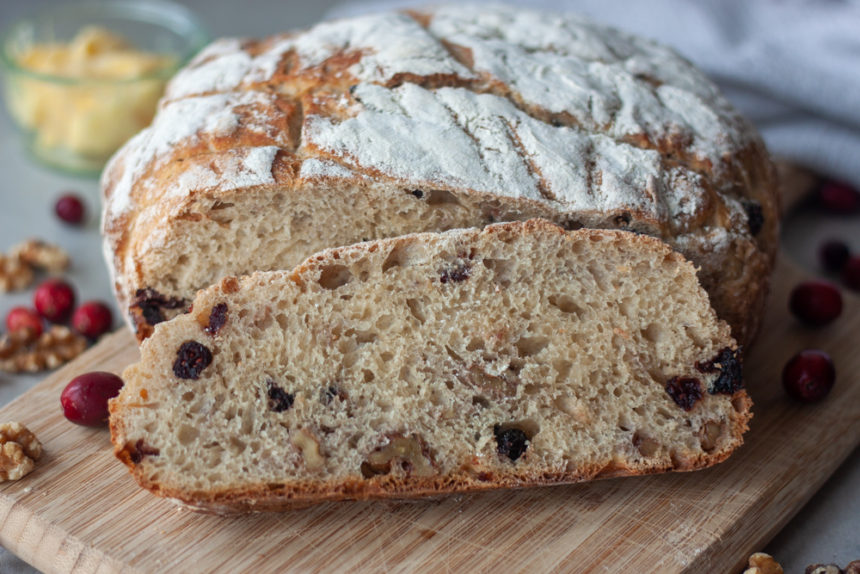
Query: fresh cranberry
[
  {"x": 815, "y": 303},
  {"x": 85, "y": 398},
  {"x": 809, "y": 375},
  {"x": 839, "y": 197},
  {"x": 92, "y": 319},
  {"x": 54, "y": 299},
  {"x": 24, "y": 318},
  {"x": 833, "y": 255},
  {"x": 851, "y": 273},
  {"x": 70, "y": 208}
]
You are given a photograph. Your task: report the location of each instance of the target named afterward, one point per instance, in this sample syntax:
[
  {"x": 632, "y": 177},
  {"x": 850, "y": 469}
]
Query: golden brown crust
[{"x": 266, "y": 498}]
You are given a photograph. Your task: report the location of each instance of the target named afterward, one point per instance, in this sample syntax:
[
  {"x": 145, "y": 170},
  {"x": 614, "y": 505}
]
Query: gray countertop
[{"x": 826, "y": 530}]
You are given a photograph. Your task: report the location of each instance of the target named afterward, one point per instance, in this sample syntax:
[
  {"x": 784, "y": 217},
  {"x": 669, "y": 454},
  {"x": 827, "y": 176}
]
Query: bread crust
[
  {"x": 293, "y": 117},
  {"x": 264, "y": 498},
  {"x": 298, "y": 494}
]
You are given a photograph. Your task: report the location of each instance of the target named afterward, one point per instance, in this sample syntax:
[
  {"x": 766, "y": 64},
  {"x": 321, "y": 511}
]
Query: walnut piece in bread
[
  {"x": 266, "y": 151},
  {"x": 517, "y": 355}
]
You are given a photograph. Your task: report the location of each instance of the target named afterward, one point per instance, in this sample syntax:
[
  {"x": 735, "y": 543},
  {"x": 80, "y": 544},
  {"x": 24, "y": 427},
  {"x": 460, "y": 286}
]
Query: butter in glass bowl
[{"x": 81, "y": 80}]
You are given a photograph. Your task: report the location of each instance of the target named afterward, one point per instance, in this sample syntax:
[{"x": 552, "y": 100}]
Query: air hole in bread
[
  {"x": 646, "y": 445},
  {"x": 349, "y": 359},
  {"x": 565, "y": 304},
  {"x": 384, "y": 322},
  {"x": 503, "y": 270},
  {"x": 416, "y": 309},
  {"x": 346, "y": 344},
  {"x": 187, "y": 434},
  {"x": 264, "y": 322},
  {"x": 562, "y": 369},
  {"x": 362, "y": 337},
  {"x": 236, "y": 445},
  {"x": 404, "y": 255},
  {"x": 334, "y": 276},
  {"x": 599, "y": 274},
  {"x": 248, "y": 419},
  {"x": 396, "y": 258},
  {"x": 516, "y": 365},
  {"x": 530, "y": 346},
  {"x": 480, "y": 401},
  {"x": 475, "y": 344},
  {"x": 532, "y": 389},
  {"x": 441, "y": 197}
]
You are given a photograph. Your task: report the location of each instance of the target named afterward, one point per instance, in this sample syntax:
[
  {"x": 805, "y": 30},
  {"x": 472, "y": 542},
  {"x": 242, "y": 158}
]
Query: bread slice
[{"x": 517, "y": 355}]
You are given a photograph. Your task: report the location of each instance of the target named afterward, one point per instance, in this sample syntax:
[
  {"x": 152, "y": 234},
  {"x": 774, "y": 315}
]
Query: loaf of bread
[
  {"x": 517, "y": 355},
  {"x": 264, "y": 152}
]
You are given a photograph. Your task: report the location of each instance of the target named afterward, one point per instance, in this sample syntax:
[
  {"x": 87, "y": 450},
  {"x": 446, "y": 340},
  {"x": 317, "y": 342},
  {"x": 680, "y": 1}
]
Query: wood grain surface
[{"x": 80, "y": 511}]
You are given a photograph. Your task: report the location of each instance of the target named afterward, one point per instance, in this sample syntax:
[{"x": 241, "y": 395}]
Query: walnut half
[
  {"x": 20, "y": 353},
  {"x": 761, "y": 563},
  {"x": 14, "y": 274},
  {"x": 19, "y": 451},
  {"x": 41, "y": 255}
]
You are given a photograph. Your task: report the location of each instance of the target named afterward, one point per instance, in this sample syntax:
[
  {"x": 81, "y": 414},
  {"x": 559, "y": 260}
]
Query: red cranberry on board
[
  {"x": 839, "y": 197},
  {"x": 24, "y": 318},
  {"x": 85, "y": 398},
  {"x": 833, "y": 255},
  {"x": 54, "y": 299},
  {"x": 809, "y": 375},
  {"x": 70, "y": 208},
  {"x": 816, "y": 303},
  {"x": 92, "y": 319},
  {"x": 851, "y": 273}
]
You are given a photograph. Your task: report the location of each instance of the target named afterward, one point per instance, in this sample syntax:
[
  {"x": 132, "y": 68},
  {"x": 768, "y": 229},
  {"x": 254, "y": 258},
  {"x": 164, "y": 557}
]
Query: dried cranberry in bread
[
  {"x": 517, "y": 355},
  {"x": 266, "y": 151}
]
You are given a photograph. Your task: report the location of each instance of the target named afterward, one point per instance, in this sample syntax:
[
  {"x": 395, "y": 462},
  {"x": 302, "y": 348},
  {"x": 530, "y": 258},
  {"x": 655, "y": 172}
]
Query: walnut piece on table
[
  {"x": 14, "y": 274},
  {"x": 41, "y": 255},
  {"x": 761, "y": 563},
  {"x": 19, "y": 451},
  {"x": 851, "y": 568},
  {"x": 20, "y": 352}
]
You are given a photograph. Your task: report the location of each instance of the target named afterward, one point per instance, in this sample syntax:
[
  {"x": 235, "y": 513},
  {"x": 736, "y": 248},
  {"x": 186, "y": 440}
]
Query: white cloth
[{"x": 792, "y": 67}]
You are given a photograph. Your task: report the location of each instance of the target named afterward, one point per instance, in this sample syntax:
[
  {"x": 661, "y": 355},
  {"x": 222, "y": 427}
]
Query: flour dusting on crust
[{"x": 511, "y": 112}]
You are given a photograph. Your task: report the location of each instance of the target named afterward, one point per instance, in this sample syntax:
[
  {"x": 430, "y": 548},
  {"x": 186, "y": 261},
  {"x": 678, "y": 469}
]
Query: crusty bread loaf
[
  {"x": 516, "y": 355},
  {"x": 264, "y": 152}
]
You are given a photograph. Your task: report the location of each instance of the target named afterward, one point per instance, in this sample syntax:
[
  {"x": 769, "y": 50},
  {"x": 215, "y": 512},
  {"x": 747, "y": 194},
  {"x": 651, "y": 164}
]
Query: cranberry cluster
[
  {"x": 810, "y": 374},
  {"x": 54, "y": 301}
]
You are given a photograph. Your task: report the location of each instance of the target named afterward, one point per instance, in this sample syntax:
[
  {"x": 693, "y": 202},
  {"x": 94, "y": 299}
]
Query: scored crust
[
  {"x": 266, "y": 151},
  {"x": 478, "y": 322}
]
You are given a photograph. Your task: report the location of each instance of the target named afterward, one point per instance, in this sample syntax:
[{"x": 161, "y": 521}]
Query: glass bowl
[{"x": 75, "y": 123}]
